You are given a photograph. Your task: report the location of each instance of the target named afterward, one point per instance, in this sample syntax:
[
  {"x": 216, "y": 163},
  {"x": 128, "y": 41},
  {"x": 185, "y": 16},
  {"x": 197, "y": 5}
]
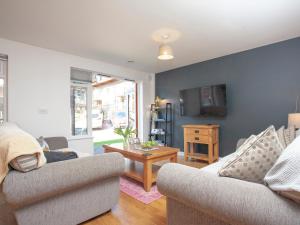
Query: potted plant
[{"x": 126, "y": 133}]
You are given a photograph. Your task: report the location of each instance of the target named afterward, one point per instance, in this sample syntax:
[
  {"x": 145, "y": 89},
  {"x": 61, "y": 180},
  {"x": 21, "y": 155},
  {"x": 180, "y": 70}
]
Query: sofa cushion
[
  {"x": 284, "y": 176},
  {"x": 254, "y": 160}
]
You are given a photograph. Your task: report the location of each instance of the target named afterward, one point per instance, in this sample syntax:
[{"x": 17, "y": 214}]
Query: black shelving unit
[{"x": 163, "y": 122}]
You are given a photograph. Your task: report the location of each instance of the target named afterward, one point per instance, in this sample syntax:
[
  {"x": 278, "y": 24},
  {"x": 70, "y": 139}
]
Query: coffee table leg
[
  {"x": 186, "y": 151},
  {"x": 174, "y": 158},
  {"x": 147, "y": 176}
]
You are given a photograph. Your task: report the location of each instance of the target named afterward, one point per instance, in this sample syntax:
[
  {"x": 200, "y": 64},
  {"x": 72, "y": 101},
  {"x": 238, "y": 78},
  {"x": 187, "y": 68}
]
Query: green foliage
[
  {"x": 149, "y": 144},
  {"x": 107, "y": 142},
  {"x": 125, "y": 132}
]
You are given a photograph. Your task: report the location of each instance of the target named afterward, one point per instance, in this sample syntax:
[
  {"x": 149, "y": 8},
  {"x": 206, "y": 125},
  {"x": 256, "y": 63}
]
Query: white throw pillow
[
  {"x": 284, "y": 176},
  {"x": 297, "y": 132}
]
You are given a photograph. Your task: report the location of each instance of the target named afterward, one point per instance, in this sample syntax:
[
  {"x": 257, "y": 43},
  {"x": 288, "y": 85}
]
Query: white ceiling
[{"x": 116, "y": 31}]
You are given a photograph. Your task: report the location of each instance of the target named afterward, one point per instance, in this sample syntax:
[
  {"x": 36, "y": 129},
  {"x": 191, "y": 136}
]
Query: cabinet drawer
[
  {"x": 194, "y": 138},
  {"x": 195, "y": 131}
]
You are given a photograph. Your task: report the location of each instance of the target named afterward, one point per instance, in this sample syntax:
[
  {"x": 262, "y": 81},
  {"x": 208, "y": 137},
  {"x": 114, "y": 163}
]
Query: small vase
[{"x": 125, "y": 143}]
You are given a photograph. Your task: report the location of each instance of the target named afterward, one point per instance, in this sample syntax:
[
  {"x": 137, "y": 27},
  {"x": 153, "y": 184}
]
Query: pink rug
[{"x": 136, "y": 190}]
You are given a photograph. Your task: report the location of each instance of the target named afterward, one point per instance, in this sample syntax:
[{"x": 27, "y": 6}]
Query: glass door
[{"x": 114, "y": 105}]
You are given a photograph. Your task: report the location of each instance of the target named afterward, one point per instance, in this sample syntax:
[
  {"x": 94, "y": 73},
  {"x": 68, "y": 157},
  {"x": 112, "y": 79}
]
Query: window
[
  {"x": 3, "y": 90},
  {"x": 79, "y": 110}
]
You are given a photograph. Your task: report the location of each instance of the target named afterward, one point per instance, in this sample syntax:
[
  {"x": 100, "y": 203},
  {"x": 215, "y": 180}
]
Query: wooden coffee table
[{"x": 140, "y": 166}]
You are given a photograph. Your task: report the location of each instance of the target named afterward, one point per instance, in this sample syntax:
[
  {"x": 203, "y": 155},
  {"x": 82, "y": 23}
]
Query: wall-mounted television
[{"x": 204, "y": 101}]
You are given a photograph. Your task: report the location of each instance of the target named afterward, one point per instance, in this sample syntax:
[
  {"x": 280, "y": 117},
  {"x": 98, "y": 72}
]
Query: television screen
[{"x": 204, "y": 101}]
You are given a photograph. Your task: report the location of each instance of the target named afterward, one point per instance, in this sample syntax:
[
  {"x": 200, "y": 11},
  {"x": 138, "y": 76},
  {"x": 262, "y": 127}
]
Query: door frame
[
  {"x": 136, "y": 109},
  {"x": 4, "y": 76}
]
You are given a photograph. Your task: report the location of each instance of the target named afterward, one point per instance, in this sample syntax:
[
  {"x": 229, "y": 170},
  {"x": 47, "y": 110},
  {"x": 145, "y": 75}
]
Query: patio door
[
  {"x": 114, "y": 105},
  {"x": 126, "y": 105}
]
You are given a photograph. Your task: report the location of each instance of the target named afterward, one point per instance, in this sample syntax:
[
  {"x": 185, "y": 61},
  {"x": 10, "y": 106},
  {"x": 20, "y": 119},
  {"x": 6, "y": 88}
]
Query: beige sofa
[
  {"x": 61, "y": 193},
  {"x": 201, "y": 197}
]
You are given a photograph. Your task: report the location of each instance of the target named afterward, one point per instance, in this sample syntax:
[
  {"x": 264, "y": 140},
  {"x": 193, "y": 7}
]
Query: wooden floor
[
  {"x": 132, "y": 212},
  {"x": 129, "y": 211}
]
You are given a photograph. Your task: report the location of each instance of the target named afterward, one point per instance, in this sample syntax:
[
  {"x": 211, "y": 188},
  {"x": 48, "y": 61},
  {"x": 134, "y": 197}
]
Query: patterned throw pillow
[
  {"x": 240, "y": 142},
  {"x": 280, "y": 134},
  {"x": 244, "y": 142},
  {"x": 43, "y": 144},
  {"x": 254, "y": 159},
  {"x": 25, "y": 163},
  {"x": 289, "y": 135}
]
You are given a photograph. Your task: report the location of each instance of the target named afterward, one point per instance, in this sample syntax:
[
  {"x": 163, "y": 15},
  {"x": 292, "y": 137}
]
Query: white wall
[{"x": 39, "y": 87}]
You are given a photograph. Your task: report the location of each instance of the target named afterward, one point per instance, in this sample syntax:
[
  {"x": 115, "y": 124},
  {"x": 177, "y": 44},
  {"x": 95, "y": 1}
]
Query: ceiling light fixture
[
  {"x": 165, "y": 36},
  {"x": 165, "y": 52}
]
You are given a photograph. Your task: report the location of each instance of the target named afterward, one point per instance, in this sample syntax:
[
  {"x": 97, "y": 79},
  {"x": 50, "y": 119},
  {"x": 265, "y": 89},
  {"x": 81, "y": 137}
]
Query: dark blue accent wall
[{"x": 262, "y": 87}]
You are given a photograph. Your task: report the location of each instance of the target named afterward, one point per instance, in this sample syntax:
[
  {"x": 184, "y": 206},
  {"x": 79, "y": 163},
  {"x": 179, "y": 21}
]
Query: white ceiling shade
[
  {"x": 118, "y": 31},
  {"x": 165, "y": 52}
]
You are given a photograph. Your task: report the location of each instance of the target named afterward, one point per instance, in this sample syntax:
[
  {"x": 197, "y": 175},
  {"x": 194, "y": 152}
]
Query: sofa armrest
[
  {"x": 231, "y": 200},
  {"x": 55, "y": 178}
]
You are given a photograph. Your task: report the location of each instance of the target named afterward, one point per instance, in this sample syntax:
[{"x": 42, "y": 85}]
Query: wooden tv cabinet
[{"x": 201, "y": 134}]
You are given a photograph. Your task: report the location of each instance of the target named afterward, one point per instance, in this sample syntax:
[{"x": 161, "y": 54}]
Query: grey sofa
[
  {"x": 201, "y": 197},
  {"x": 62, "y": 193}
]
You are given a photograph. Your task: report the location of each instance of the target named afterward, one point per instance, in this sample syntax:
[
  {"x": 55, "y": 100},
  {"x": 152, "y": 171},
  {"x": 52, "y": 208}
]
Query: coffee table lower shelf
[{"x": 135, "y": 170}]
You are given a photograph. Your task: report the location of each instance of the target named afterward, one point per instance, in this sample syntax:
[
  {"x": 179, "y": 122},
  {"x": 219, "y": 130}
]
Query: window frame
[
  {"x": 3, "y": 75},
  {"x": 88, "y": 86}
]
